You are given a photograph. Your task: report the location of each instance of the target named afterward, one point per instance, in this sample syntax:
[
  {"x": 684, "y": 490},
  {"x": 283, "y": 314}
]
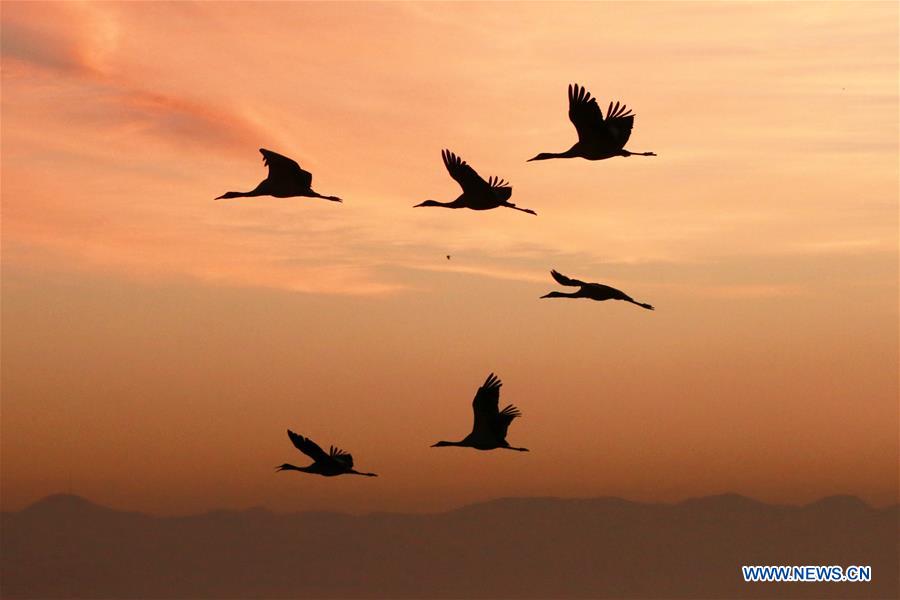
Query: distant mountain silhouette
[
  {"x": 59, "y": 503},
  {"x": 66, "y": 547}
]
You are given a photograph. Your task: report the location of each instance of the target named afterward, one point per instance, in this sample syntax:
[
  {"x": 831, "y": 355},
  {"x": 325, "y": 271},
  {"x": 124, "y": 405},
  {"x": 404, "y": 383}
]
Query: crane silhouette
[
  {"x": 591, "y": 291},
  {"x": 286, "y": 179},
  {"x": 491, "y": 423},
  {"x": 336, "y": 462},
  {"x": 478, "y": 194},
  {"x": 598, "y": 138}
]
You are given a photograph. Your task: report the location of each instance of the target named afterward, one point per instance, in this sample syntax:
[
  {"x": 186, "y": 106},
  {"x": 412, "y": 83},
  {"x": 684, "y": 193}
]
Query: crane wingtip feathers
[{"x": 492, "y": 381}]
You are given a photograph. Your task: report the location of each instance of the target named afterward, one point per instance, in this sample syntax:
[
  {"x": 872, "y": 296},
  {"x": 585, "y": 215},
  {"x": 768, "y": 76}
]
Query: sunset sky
[{"x": 156, "y": 344}]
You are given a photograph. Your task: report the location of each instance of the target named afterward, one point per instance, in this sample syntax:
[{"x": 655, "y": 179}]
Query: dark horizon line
[{"x": 732, "y": 497}]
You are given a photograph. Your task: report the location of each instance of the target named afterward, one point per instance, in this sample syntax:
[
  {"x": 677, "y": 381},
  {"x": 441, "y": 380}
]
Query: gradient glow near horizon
[{"x": 157, "y": 344}]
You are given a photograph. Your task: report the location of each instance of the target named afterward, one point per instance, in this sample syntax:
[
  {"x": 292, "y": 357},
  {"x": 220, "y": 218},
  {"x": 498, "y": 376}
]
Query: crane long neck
[
  {"x": 570, "y": 153},
  {"x": 455, "y": 204},
  {"x": 289, "y": 467},
  {"x": 259, "y": 190},
  {"x": 227, "y": 195},
  {"x": 445, "y": 443}
]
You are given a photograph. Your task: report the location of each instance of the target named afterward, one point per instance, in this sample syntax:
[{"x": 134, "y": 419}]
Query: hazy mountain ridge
[{"x": 65, "y": 546}]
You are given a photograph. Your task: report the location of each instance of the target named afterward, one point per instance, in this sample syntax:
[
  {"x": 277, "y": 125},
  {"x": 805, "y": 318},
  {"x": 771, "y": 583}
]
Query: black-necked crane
[
  {"x": 286, "y": 179},
  {"x": 335, "y": 462},
  {"x": 491, "y": 423},
  {"x": 478, "y": 194},
  {"x": 591, "y": 291},
  {"x": 598, "y": 137}
]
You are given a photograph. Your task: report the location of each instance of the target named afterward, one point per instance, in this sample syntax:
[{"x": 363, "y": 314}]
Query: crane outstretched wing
[
  {"x": 584, "y": 112},
  {"x": 465, "y": 176},
  {"x": 563, "y": 280},
  {"x": 341, "y": 456},
  {"x": 504, "y": 418},
  {"x": 284, "y": 168},
  {"x": 619, "y": 122},
  {"x": 586, "y": 116},
  {"x": 307, "y": 447},
  {"x": 501, "y": 187},
  {"x": 486, "y": 405}
]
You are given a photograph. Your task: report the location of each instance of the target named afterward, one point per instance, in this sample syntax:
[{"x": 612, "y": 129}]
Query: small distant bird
[
  {"x": 491, "y": 423},
  {"x": 286, "y": 179},
  {"x": 598, "y": 138},
  {"x": 591, "y": 291},
  {"x": 478, "y": 194},
  {"x": 336, "y": 462}
]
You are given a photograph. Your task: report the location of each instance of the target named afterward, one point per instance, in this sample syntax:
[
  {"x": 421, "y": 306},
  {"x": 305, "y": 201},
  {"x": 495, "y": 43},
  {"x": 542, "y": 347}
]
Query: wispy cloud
[
  {"x": 76, "y": 46},
  {"x": 64, "y": 45}
]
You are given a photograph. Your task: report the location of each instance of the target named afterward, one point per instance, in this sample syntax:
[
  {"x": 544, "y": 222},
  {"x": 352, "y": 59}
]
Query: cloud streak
[{"x": 78, "y": 53}]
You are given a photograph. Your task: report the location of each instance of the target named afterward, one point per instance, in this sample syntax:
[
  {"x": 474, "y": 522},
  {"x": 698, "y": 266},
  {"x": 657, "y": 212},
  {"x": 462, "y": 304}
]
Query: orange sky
[{"x": 157, "y": 344}]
